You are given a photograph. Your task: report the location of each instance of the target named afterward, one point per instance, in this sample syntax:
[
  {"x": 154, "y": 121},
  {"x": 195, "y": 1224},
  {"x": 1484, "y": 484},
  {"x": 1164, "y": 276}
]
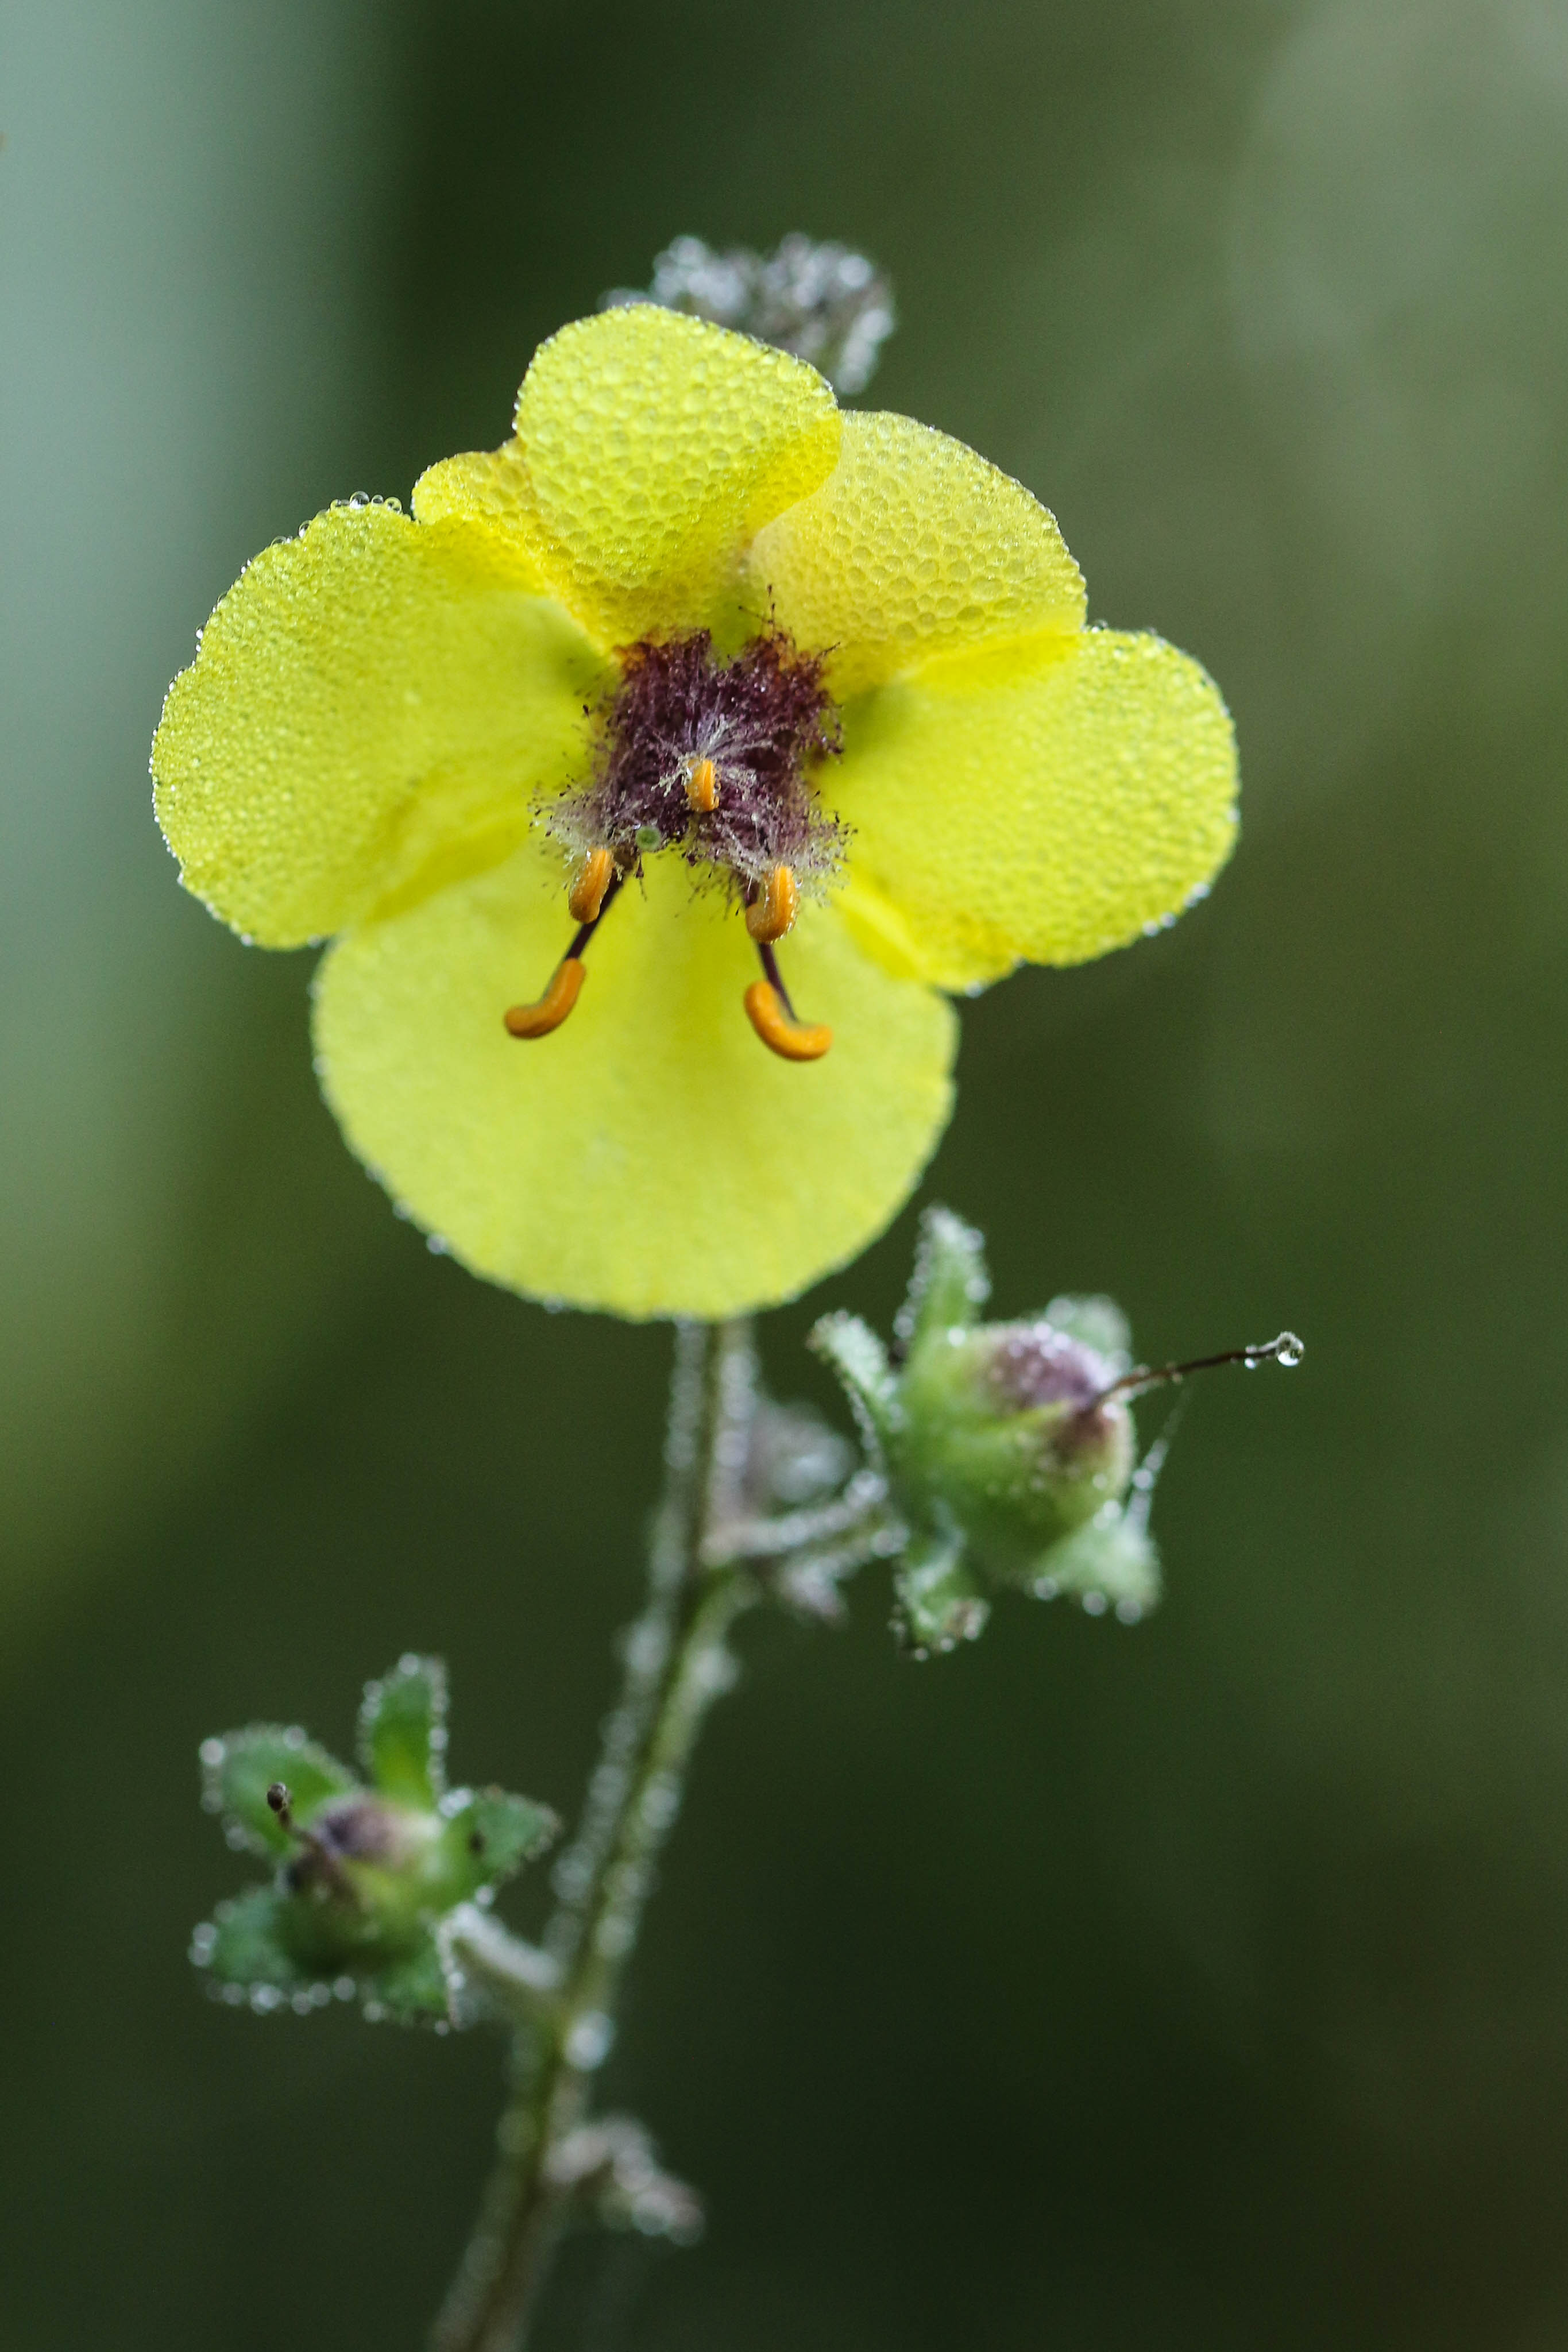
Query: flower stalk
[{"x": 677, "y": 1662}]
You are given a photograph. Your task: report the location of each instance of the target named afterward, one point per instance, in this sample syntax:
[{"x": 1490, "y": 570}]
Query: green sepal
[
  {"x": 245, "y": 1948},
  {"x": 940, "y": 1602},
  {"x": 949, "y": 1284},
  {"x": 1112, "y": 1561},
  {"x": 238, "y": 1768},
  {"x": 402, "y": 1731},
  {"x": 489, "y": 1835},
  {"x": 857, "y": 1354},
  {"x": 414, "y": 1986},
  {"x": 243, "y": 1943}
]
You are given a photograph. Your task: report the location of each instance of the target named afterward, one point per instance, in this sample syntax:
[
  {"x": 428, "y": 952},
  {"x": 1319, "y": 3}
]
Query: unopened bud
[
  {"x": 1009, "y": 1448},
  {"x": 1007, "y": 1433},
  {"x": 367, "y": 1871}
]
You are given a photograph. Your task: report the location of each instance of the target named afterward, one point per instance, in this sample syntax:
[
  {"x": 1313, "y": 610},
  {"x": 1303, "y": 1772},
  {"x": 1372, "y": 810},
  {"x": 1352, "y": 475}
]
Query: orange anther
[
  {"x": 793, "y": 1041},
  {"x": 586, "y": 894},
  {"x": 773, "y": 912},
  {"x": 565, "y": 987},
  {"x": 702, "y": 786}
]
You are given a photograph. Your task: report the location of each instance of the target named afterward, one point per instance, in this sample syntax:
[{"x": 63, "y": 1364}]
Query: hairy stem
[{"x": 677, "y": 1662}]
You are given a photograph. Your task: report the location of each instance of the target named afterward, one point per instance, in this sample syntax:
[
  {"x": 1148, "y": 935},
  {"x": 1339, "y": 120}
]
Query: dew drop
[{"x": 588, "y": 2042}]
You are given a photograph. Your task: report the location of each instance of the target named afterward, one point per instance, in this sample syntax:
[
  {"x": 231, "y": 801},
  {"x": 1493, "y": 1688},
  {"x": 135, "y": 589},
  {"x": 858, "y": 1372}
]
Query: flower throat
[{"x": 711, "y": 760}]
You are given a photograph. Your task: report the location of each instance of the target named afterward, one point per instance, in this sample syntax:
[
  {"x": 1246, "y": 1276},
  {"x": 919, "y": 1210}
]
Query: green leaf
[
  {"x": 939, "y": 1600},
  {"x": 238, "y": 1768},
  {"x": 402, "y": 1731},
  {"x": 242, "y": 1944},
  {"x": 489, "y": 1835},
  {"x": 413, "y": 1986}
]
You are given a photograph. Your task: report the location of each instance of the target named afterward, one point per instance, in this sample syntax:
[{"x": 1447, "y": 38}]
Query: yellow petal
[
  {"x": 372, "y": 708},
  {"x": 1038, "y": 801},
  {"x": 490, "y": 489},
  {"x": 912, "y": 547},
  {"x": 649, "y": 449},
  {"x": 649, "y": 1157}
]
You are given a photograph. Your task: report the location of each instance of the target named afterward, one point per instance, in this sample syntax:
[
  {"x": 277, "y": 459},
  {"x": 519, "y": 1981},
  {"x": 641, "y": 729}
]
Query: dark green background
[{"x": 1199, "y": 1985}]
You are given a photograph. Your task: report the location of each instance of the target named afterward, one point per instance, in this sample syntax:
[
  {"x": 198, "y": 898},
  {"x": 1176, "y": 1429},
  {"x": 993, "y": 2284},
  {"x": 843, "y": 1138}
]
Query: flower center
[{"x": 711, "y": 760}]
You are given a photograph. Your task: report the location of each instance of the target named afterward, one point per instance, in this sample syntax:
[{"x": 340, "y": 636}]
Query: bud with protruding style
[
  {"x": 367, "y": 1873},
  {"x": 1008, "y": 1448}
]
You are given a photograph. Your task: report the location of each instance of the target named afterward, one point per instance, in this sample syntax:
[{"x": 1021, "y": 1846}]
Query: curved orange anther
[
  {"x": 702, "y": 786},
  {"x": 793, "y": 1041},
  {"x": 586, "y": 894},
  {"x": 565, "y": 987},
  {"x": 772, "y": 911}
]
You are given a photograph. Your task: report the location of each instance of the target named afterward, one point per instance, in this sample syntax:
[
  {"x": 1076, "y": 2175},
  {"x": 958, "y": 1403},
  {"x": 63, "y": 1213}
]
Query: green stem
[{"x": 677, "y": 1662}]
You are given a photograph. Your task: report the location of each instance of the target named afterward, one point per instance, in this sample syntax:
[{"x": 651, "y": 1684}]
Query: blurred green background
[{"x": 1202, "y": 1985}]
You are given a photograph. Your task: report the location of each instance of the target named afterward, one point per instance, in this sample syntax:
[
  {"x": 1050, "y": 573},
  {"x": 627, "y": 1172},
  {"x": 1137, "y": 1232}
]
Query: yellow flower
[{"x": 693, "y": 651}]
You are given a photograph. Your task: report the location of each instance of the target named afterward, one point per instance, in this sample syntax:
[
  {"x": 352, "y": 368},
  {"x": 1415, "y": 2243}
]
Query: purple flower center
[{"x": 713, "y": 758}]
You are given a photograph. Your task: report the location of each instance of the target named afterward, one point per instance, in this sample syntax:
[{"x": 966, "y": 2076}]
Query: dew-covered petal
[
  {"x": 491, "y": 490},
  {"x": 372, "y": 708},
  {"x": 1035, "y": 802},
  {"x": 649, "y": 449},
  {"x": 912, "y": 547},
  {"x": 650, "y": 1157}
]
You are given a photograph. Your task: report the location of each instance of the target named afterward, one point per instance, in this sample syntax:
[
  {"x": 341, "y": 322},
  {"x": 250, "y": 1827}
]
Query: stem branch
[{"x": 677, "y": 1662}]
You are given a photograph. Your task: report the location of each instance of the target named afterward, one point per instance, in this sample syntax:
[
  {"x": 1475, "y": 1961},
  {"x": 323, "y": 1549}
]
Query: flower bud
[
  {"x": 367, "y": 1875},
  {"x": 1009, "y": 1453}
]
